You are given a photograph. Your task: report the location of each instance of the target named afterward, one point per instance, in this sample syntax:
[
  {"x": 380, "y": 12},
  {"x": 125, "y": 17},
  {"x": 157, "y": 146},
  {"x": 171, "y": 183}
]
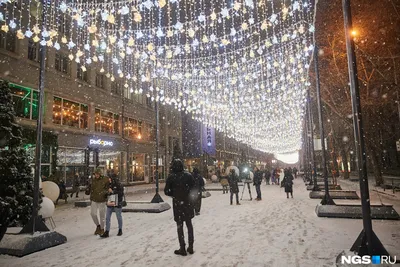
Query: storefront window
[
  {"x": 46, "y": 158},
  {"x": 70, "y": 113},
  {"x": 25, "y": 101},
  {"x": 138, "y": 166},
  {"x": 71, "y": 161},
  {"x": 110, "y": 160},
  {"x": 106, "y": 122}
]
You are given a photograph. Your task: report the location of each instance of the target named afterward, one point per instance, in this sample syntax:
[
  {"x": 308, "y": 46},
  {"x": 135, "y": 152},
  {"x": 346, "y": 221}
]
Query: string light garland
[{"x": 239, "y": 66}]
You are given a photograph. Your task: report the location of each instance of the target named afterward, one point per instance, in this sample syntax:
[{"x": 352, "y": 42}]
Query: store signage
[
  {"x": 100, "y": 142},
  {"x": 208, "y": 142}
]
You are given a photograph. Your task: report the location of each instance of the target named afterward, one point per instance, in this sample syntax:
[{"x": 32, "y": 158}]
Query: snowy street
[{"x": 273, "y": 232}]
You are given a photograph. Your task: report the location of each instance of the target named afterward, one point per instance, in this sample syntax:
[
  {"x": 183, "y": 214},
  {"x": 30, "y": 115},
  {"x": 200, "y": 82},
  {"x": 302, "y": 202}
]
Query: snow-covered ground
[{"x": 273, "y": 232}]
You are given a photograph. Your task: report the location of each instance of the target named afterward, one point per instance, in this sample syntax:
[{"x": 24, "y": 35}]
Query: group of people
[{"x": 185, "y": 189}]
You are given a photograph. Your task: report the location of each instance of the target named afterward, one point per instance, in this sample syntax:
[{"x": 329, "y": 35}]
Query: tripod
[{"x": 248, "y": 186}]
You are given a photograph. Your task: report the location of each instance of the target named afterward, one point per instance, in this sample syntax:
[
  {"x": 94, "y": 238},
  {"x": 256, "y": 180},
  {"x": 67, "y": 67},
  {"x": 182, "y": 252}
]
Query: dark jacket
[
  {"x": 99, "y": 189},
  {"x": 257, "y": 177},
  {"x": 288, "y": 182},
  {"x": 198, "y": 182},
  {"x": 76, "y": 183},
  {"x": 117, "y": 188},
  {"x": 233, "y": 180},
  {"x": 179, "y": 186}
]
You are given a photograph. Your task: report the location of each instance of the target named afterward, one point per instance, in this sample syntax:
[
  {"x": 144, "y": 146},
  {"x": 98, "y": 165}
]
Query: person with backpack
[
  {"x": 114, "y": 204},
  {"x": 179, "y": 185}
]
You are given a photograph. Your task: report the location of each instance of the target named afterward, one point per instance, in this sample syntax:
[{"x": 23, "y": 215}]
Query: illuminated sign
[{"x": 100, "y": 142}]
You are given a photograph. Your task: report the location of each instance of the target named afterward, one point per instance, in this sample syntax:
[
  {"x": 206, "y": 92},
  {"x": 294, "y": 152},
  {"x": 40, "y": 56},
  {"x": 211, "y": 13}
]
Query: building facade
[
  {"x": 89, "y": 120},
  {"x": 211, "y": 150}
]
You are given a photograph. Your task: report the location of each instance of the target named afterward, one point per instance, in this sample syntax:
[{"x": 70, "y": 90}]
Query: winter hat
[{"x": 98, "y": 171}]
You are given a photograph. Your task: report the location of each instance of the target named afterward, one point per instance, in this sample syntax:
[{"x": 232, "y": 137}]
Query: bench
[{"x": 391, "y": 182}]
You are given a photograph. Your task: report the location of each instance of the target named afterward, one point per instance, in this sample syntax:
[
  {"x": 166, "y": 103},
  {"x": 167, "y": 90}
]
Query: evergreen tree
[{"x": 16, "y": 190}]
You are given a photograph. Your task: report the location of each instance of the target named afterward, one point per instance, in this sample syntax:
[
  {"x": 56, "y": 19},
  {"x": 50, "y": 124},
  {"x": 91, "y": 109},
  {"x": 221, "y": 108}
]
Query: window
[
  {"x": 116, "y": 87},
  {"x": 62, "y": 63},
  {"x": 70, "y": 113},
  {"x": 131, "y": 128},
  {"x": 8, "y": 41},
  {"x": 149, "y": 103},
  {"x": 82, "y": 75},
  {"x": 106, "y": 122},
  {"x": 25, "y": 101},
  {"x": 33, "y": 51},
  {"x": 150, "y": 132},
  {"x": 138, "y": 98},
  {"x": 127, "y": 93},
  {"x": 100, "y": 80}
]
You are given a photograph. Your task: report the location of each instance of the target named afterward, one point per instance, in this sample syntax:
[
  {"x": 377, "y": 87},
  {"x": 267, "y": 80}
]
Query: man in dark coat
[
  {"x": 179, "y": 185},
  {"x": 233, "y": 180},
  {"x": 197, "y": 189},
  {"x": 288, "y": 183},
  {"x": 257, "y": 182}
]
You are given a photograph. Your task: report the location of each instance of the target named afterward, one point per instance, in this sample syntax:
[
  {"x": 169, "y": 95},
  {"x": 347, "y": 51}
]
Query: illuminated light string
[{"x": 248, "y": 80}]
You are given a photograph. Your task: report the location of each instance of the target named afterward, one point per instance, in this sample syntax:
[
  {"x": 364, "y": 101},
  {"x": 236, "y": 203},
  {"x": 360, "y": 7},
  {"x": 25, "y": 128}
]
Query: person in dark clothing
[
  {"x": 288, "y": 183},
  {"x": 63, "y": 191},
  {"x": 117, "y": 190},
  {"x": 295, "y": 172},
  {"x": 196, "y": 191},
  {"x": 233, "y": 180},
  {"x": 179, "y": 185},
  {"x": 257, "y": 182},
  {"x": 267, "y": 176},
  {"x": 75, "y": 185}
]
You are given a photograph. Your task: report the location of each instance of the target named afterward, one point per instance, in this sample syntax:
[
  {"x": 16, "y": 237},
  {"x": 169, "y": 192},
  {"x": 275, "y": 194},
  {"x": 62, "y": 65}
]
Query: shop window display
[{"x": 70, "y": 113}]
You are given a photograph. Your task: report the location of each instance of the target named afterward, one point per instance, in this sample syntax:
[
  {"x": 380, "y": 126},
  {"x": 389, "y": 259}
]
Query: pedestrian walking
[
  {"x": 63, "y": 191},
  {"x": 98, "y": 197},
  {"x": 288, "y": 183},
  {"x": 224, "y": 182},
  {"x": 178, "y": 186},
  {"x": 295, "y": 171},
  {"x": 233, "y": 186},
  {"x": 257, "y": 182},
  {"x": 278, "y": 176},
  {"x": 114, "y": 204},
  {"x": 197, "y": 190},
  {"x": 75, "y": 185}
]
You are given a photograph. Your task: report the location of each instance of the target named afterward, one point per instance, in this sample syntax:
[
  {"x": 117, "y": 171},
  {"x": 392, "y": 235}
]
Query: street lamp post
[
  {"x": 326, "y": 200},
  {"x": 311, "y": 146},
  {"x": 36, "y": 224},
  {"x": 367, "y": 242},
  {"x": 157, "y": 198}
]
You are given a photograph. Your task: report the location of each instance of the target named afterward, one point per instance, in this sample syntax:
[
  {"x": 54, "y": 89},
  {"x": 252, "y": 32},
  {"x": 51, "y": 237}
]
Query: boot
[
  {"x": 190, "y": 250},
  {"x": 119, "y": 232},
  {"x": 102, "y": 232},
  {"x": 105, "y": 234},
  {"x": 97, "y": 232},
  {"x": 238, "y": 204},
  {"x": 181, "y": 251}
]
